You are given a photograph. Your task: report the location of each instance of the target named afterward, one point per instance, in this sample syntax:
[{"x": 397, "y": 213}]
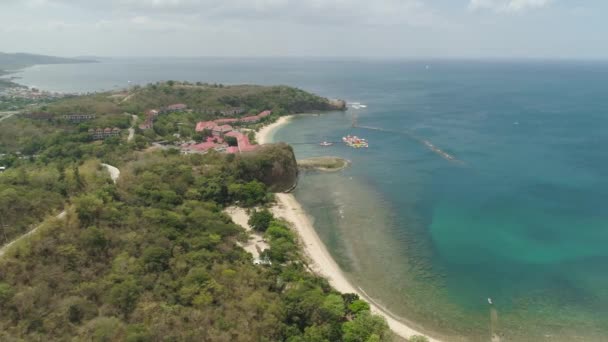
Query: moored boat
[{"x": 355, "y": 142}]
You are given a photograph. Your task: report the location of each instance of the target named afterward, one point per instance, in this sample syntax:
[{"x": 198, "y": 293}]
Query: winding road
[
  {"x": 6, "y": 115},
  {"x": 132, "y": 129},
  {"x": 6, "y": 247},
  {"x": 114, "y": 174}
]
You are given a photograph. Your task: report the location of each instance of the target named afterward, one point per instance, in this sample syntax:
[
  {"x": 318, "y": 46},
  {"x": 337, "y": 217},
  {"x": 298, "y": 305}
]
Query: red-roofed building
[
  {"x": 219, "y": 131},
  {"x": 233, "y": 134},
  {"x": 245, "y": 144},
  {"x": 206, "y": 146},
  {"x": 225, "y": 121},
  {"x": 256, "y": 118},
  {"x": 265, "y": 114},
  {"x": 232, "y": 149},
  {"x": 203, "y": 125}
]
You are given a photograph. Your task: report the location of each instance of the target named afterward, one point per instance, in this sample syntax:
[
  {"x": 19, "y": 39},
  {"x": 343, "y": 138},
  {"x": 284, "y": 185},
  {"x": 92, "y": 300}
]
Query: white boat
[
  {"x": 325, "y": 144},
  {"x": 490, "y": 301}
]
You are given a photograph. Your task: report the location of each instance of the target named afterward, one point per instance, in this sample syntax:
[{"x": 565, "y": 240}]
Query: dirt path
[
  {"x": 128, "y": 97},
  {"x": 114, "y": 172},
  {"x": 6, "y": 115},
  {"x": 256, "y": 243},
  {"x": 6, "y": 247},
  {"x": 132, "y": 128}
]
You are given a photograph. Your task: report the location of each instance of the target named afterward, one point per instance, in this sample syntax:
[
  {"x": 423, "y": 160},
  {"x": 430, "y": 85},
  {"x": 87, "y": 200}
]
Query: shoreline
[
  {"x": 321, "y": 261},
  {"x": 264, "y": 134},
  {"x": 323, "y": 264}
]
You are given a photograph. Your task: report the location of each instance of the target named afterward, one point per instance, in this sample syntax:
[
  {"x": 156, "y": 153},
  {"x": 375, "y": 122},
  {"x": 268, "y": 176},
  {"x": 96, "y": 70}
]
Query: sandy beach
[
  {"x": 319, "y": 257},
  {"x": 264, "y": 134},
  {"x": 323, "y": 264}
]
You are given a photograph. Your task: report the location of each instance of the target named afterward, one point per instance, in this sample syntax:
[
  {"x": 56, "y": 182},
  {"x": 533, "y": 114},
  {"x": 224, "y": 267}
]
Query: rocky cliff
[{"x": 273, "y": 164}]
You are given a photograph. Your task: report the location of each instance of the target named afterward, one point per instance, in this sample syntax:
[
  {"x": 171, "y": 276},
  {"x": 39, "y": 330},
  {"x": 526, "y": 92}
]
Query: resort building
[
  {"x": 225, "y": 121},
  {"x": 150, "y": 117},
  {"x": 232, "y": 111},
  {"x": 246, "y": 120},
  {"x": 219, "y": 131},
  {"x": 256, "y": 118},
  {"x": 205, "y": 125},
  {"x": 218, "y": 143},
  {"x": 76, "y": 118},
  {"x": 100, "y": 134},
  {"x": 38, "y": 116},
  {"x": 2, "y": 169}
]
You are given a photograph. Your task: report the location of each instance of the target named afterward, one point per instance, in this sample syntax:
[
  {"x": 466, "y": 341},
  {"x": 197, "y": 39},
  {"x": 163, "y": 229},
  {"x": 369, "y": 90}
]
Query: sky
[{"x": 556, "y": 29}]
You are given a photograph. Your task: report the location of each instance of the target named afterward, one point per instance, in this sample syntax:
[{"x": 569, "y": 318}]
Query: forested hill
[
  {"x": 202, "y": 98},
  {"x": 153, "y": 257},
  {"x": 11, "y": 61}
]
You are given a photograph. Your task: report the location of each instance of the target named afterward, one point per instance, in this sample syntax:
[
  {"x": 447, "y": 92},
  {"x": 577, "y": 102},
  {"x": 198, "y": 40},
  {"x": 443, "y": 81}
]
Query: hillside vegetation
[
  {"x": 205, "y": 102},
  {"x": 154, "y": 258},
  {"x": 202, "y": 98}
]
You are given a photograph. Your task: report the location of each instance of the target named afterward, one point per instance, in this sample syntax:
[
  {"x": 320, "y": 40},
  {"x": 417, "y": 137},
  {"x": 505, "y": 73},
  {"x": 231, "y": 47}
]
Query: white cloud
[
  {"x": 381, "y": 12},
  {"x": 508, "y": 5}
]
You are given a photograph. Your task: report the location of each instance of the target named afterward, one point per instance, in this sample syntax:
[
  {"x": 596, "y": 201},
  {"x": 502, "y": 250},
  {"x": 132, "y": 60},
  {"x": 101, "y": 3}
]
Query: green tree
[
  {"x": 88, "y": 208},
  {"x": 358, "y": 306},
  {"x": 6, "y": 292},
  {"x": 260, "y": 220},
  {"x": 231, "y": 141},
  {"x": 333, "y": 307},
  {"x": 124, "y": 295},
  {"x": 364, "y": 326},
  {"x": 156, "y": 258},
  {"x": 94, "y": 240}
]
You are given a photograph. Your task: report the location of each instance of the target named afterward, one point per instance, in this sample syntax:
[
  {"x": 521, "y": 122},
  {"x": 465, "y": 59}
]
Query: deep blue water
[{"x": 520, "y": 218}]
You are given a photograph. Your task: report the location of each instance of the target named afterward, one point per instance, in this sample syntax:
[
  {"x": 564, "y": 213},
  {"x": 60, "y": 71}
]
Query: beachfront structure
[
  {"x": 210, "y": 125},
  {"x": 100, "y": 134},
  {"x": 256, "y": 118},
  {"x": 219, "y": 144},
  {"x": 243, "y": 143},
  {"x": 77, "y": 118}
]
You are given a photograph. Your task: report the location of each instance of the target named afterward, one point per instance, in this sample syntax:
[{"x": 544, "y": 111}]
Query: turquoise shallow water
[{"x": 522, "y": 219}]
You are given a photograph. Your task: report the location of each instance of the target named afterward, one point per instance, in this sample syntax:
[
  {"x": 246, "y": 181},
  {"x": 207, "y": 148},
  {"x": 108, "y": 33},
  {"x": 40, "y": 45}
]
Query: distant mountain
[{"x": 10, "y": 61}]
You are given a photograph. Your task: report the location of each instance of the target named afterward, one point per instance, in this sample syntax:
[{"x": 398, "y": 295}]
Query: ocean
[{"x": 483, "y": 179}]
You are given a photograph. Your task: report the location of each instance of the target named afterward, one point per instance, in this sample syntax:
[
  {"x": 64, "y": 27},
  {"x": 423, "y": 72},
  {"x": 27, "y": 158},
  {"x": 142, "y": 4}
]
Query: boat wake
[
  {"x": 429, "y": 145},
  {"x": 357, "y": 105}
]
